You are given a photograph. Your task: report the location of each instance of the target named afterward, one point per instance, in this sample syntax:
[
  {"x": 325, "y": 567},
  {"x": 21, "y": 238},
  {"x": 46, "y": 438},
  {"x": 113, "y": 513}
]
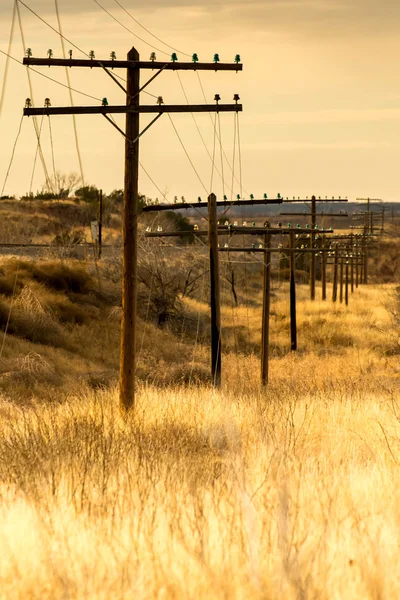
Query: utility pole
[
  {"x": 215, "y": 297},
  {"x": 266, "y": 311},
  {"x": 129, "y": 234},
  {"x": 100, "y": 223},
  {"x": 365, "y": 255},
  {"x": 347, "y": 284},
  {"x": 312, "y": 244},
  {"x": 132, "y": 109},
  {"x": 341, "y": 279},
  {"x": 293, "y": 315},
  {"x": 323, "y": 273},
  {"x": 335, "y": 275}
]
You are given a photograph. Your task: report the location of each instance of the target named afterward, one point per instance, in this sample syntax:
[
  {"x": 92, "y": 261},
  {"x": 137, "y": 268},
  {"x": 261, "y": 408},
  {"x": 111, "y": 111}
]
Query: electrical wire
[
  {"x": 3, "y": 87},
  {"x": 222, "y": 157},
  {"x": 42, "y": 159},
  {"x": 52, "y": 157},
  {"x": 12, "y": 155},
  {"x": 213, "y": 157},
  {"x": 199, "y": 132},
  {"x": 205, "y": 100},
  {"x": 75, "y": 128},
  {"x": 36, "y": 153},
  {"x": 49, "y": 78},
  {"x": 129, "y": 30},
  {"x": 187, "y": 154},
  {"x": 148, "y": 31},
  {"x": 69, "y": 41}
]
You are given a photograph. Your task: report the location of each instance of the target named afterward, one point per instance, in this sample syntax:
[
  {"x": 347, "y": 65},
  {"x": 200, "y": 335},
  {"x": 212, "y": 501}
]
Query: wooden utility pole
[
  {"x": 129, "y": 228},
  {"x": 357, "y": 262},
  {"x": 335, "y": 275},
  {"x": 347, "y": 283},
  {"x": 352, "y": 273},
  {"x": 266, "y": 312},
  {"x": 341, "y": 279},
  {"x": 313, "y": 261},
  {"x": 132, "y": 108},
  {"x": 323, "y": 273},
  {"x": 293, "y": 315},
  {"x": 215, "y": 299},
  {"x": 365, "y": 255},
  {"x": 100, "y": 223}
]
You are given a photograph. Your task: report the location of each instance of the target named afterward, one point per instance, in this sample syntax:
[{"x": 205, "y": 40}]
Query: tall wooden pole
[
  {"x": 335, "y": 275},
  {"x": 293, "y": 316},
  {"x": 323, "y": 273},
  {"x": 215, "y": 300},
  {"x": 365, "y": 254},
  {"x": 357, "y": 263},
  {"x": 100, "y": 222},
  {"x": 312, "y": 245},
  {"x": 346, "y": 295},
  {"x": 341, "y": 279},
  {"x": 352, "y": 273},
  {"x": 129, "y": 253},
  {"x": 266, "y": 312}
]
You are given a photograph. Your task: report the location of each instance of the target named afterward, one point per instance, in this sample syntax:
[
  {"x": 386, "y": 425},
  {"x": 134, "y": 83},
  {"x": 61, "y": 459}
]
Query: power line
[
  {"x": 50, "y": 78},
  {"x": 36, "y": 153},
  {"x": 12, "y": 155},
  {"x": 200, "y": 134},
  {"x": 187, "y": 154},
  {"x": 68, "y": 40},
  {"x": 3, "y": 88},
  {"x": 148, "y": 31},
  {"x": 78, "y": 152},
  {"x": 226, "y": 158},
  {"x": 35, "y": 125},
  {"x": 127, "y": 28}
]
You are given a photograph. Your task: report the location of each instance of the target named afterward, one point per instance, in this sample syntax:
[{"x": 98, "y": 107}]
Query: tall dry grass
[{"x": 292, "y": 492}]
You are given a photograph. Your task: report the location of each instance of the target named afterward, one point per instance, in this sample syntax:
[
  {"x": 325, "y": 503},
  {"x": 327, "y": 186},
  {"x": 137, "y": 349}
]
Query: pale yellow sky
[{"x": 319, "y": 88}]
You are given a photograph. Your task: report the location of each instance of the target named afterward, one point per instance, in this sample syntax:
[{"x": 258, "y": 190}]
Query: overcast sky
[{"x": 319, "y": 88}]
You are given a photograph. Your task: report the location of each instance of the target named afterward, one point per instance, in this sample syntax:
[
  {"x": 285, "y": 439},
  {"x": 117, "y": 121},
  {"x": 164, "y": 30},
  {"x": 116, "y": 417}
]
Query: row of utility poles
[{"x": 348, "y": 255}]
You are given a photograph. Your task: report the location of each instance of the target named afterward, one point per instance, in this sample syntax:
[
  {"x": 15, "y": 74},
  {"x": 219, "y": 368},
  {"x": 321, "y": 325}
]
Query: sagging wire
[
  {"x": 213, "y": 157},
  {"x": 36, "y": 154},
  {"x": 78, "y": 152},
  {"x": 46, "y": 174},
  {"x": 12, "y": 155},
  {"x": 221, "y": 151},
  {"x": 226, "y": 158},
  {"x": 201, "y": 135},
  {"x": 52, "y": 155},
  {"x": 149, "y": 32},
  {"x": 3, "y": 87},
  {"x": 72, "y": 44},
  {"x": 187, "y": 154},
  {"x": 31, "y": 70}
]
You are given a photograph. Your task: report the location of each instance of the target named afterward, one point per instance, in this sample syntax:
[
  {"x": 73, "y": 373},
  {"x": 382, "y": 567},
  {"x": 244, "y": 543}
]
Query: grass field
[{"x": 290, "y": 492}]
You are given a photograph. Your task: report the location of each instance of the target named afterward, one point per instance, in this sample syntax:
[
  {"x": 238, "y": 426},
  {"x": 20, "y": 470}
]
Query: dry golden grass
[{"x": 287, "y": 493}]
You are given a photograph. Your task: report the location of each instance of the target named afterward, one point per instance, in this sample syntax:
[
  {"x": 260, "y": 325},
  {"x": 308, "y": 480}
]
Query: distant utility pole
[
  {"x": 313, "y": 214},
  {"x": 132, "y": 109}
]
